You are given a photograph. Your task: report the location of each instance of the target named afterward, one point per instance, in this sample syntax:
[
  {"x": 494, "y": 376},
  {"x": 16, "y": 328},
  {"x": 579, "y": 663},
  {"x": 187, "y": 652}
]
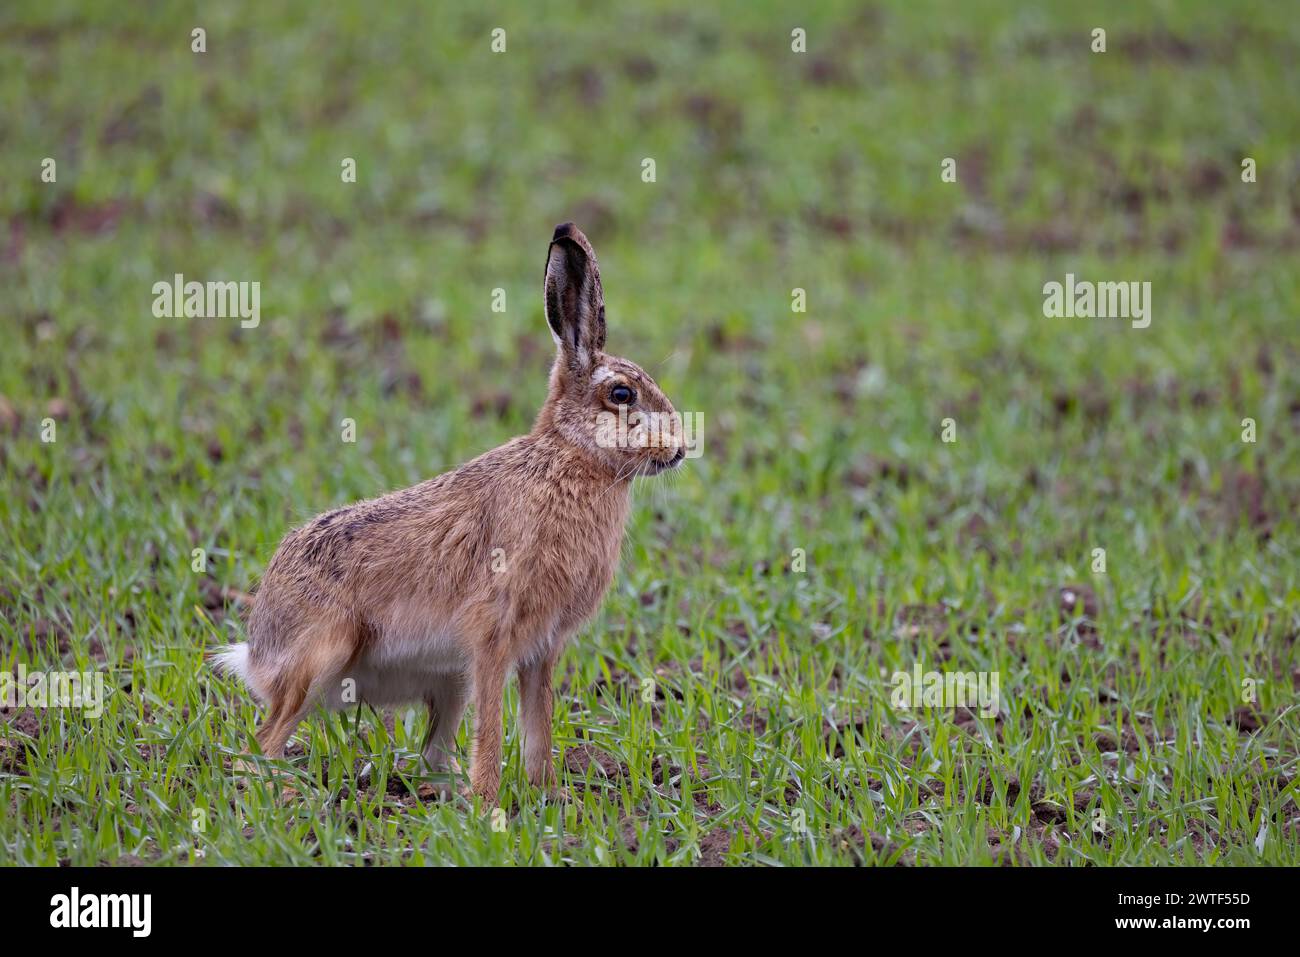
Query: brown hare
[{"x": 436, "y": 593}]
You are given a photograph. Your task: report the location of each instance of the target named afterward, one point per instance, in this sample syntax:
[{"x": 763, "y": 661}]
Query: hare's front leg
[
  {"x": 535, "y": 713},
  {"x": 490, "y": 671}
]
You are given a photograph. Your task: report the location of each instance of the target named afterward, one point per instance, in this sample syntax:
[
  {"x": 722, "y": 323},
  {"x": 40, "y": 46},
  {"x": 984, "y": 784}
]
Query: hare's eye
[{"x": 622, "y": 395}]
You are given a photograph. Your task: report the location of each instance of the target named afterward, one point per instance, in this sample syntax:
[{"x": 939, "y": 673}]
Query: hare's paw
[{"x": 556, "y": 794}]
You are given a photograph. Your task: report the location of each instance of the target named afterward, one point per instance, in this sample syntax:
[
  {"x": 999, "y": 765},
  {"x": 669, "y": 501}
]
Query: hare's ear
[{"x": 575, "y": 305}]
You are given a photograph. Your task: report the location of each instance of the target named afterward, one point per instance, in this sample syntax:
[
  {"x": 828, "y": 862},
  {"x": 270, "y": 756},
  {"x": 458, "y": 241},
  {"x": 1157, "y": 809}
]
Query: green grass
[{"x": 775, "y": 170}]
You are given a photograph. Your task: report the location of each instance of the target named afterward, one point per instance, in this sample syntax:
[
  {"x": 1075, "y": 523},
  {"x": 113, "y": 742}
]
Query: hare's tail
[{"x": 233, "y": 660}]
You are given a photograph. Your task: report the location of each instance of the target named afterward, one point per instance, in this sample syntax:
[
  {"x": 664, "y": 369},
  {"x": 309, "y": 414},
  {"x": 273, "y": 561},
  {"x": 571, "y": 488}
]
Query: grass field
[{"x": 827, "y": 538}]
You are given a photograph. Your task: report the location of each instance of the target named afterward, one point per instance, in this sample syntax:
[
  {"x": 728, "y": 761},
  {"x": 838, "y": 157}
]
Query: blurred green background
[{"x": 775, "y": 170}]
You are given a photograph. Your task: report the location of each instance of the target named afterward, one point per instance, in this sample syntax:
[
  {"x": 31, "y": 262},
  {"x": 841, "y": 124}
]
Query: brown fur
[{"x": 408, "y": 595}]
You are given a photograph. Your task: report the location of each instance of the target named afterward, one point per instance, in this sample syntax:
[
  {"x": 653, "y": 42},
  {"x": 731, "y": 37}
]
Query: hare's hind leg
[
  {"x": 319, "y": 658},
  {"x": 446, "y": 700}
]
